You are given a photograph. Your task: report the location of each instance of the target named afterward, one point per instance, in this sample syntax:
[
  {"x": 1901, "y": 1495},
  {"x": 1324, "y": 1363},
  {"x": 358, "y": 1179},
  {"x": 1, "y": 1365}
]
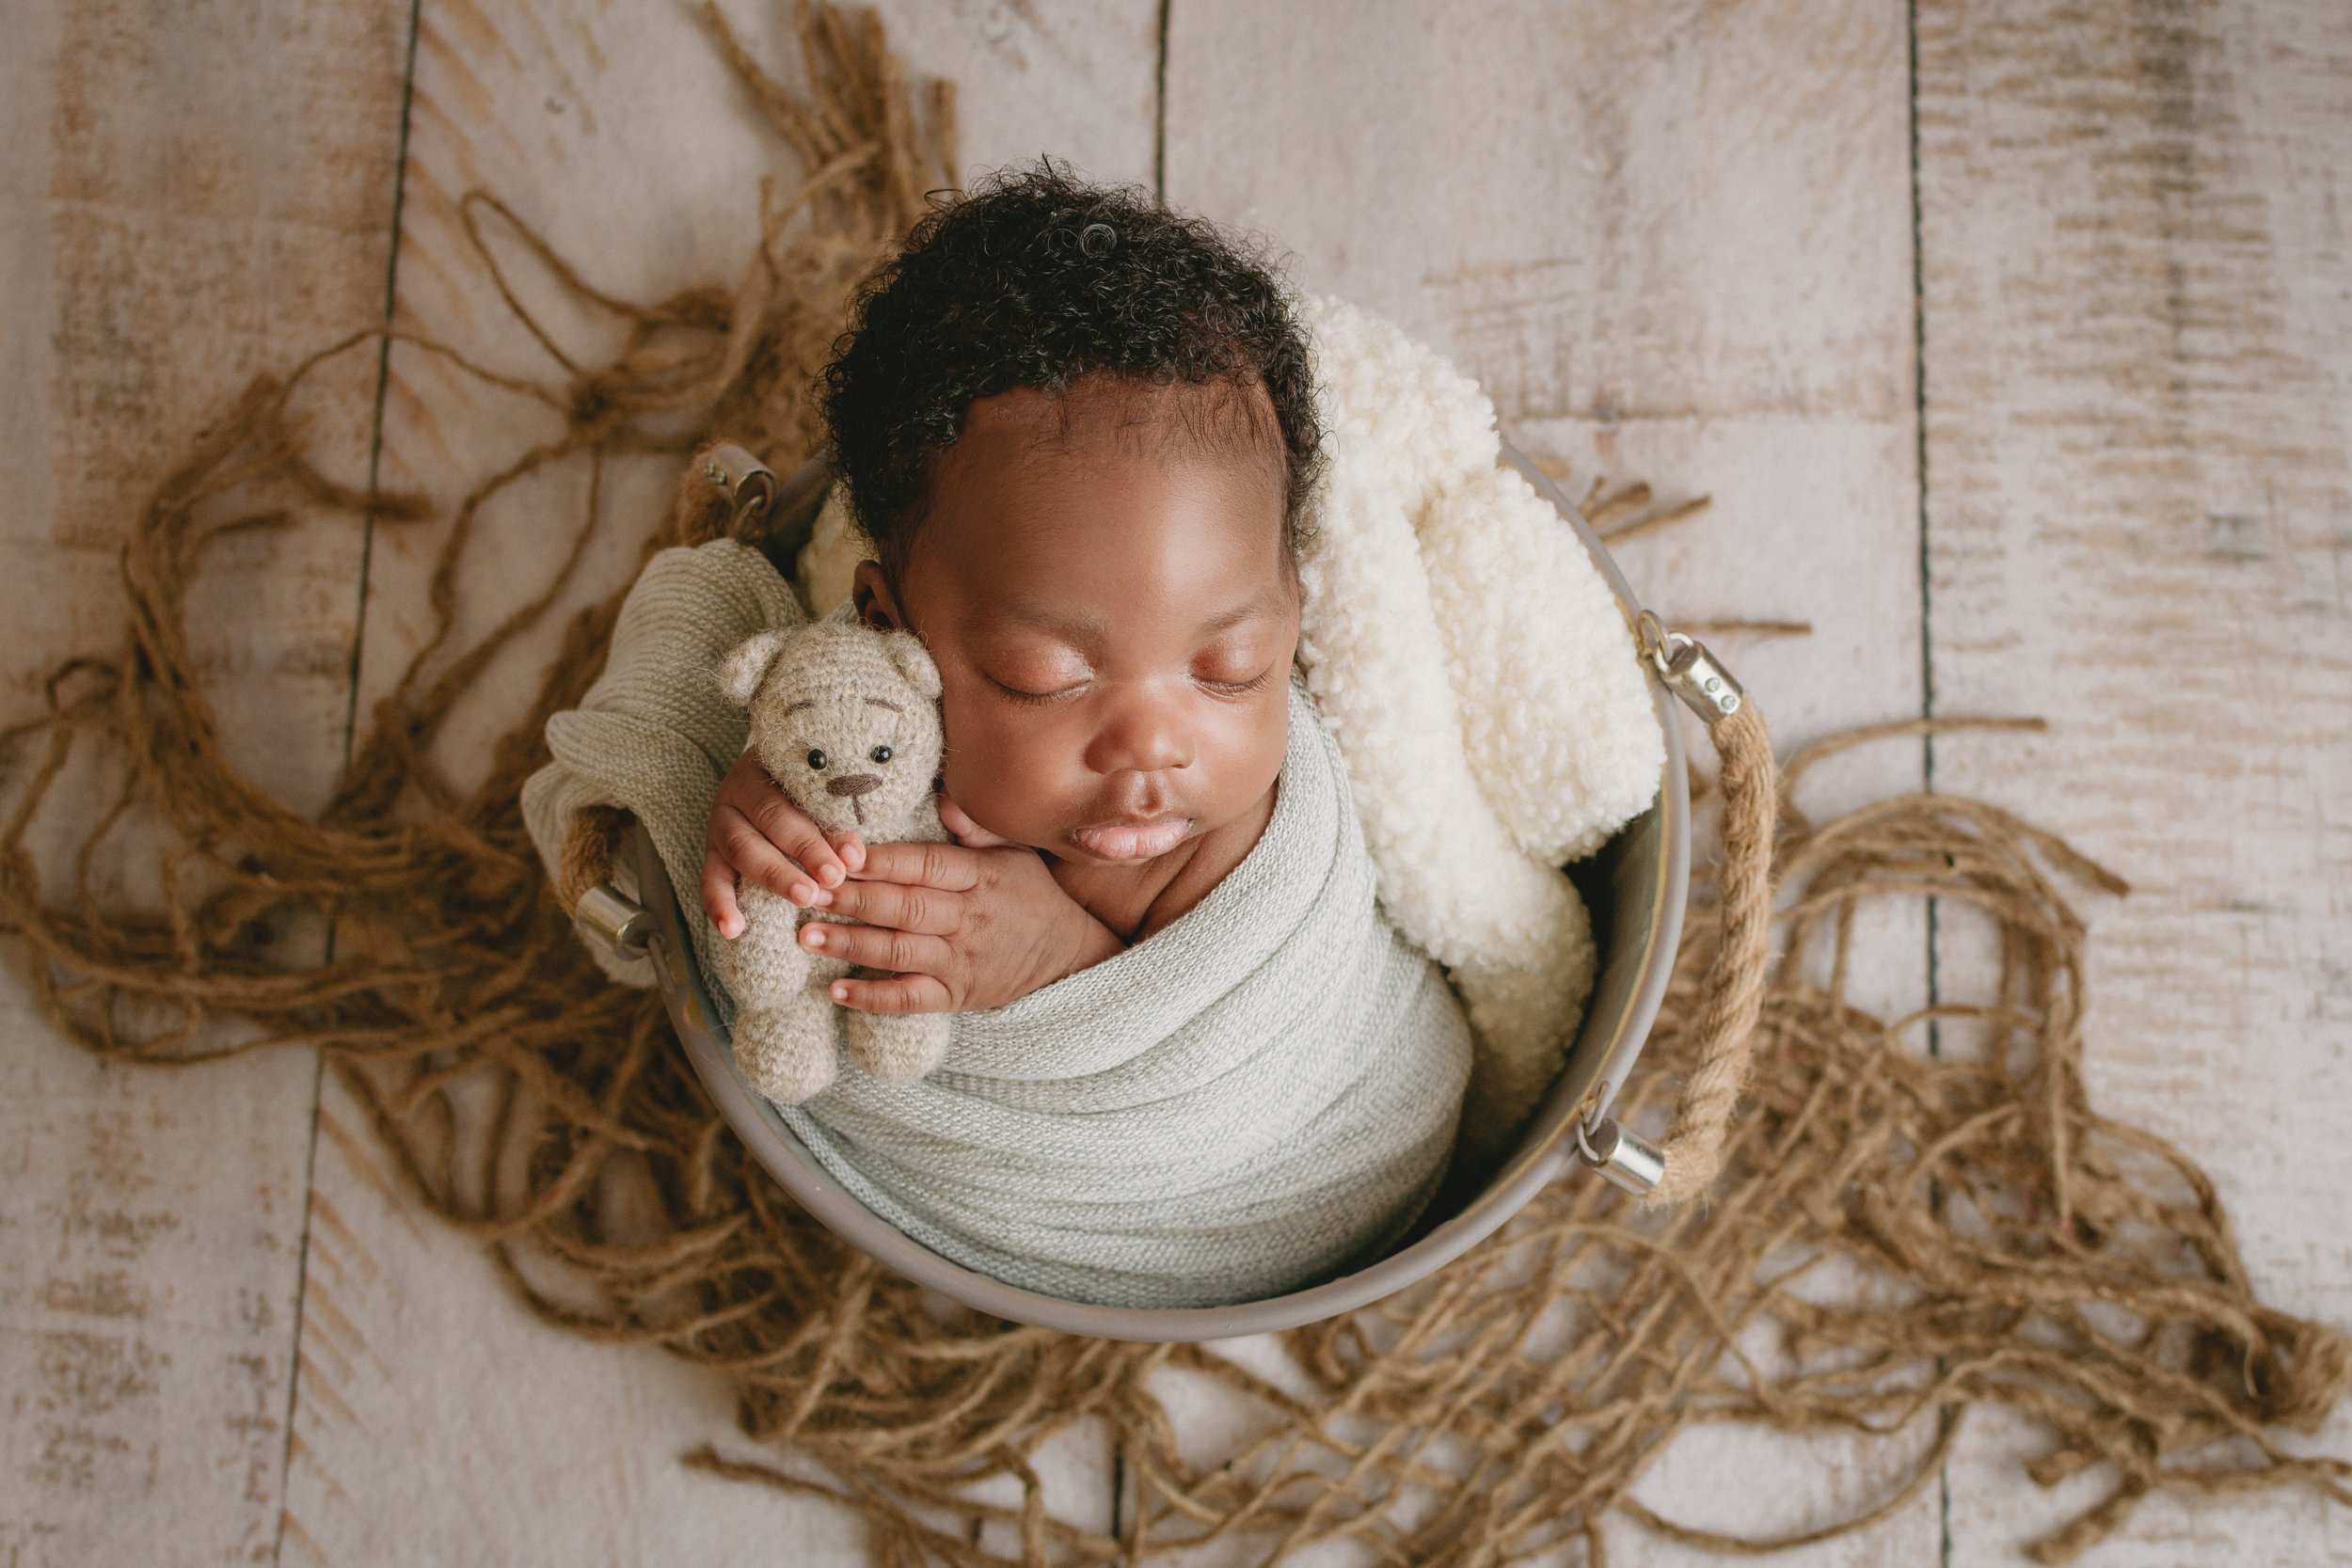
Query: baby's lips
[{"x": 1133, "y": 841}]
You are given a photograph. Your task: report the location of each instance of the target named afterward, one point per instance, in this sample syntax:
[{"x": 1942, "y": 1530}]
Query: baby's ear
[
  {"x": 913, "y": 661},
  {"x": 747, "y": 664}
]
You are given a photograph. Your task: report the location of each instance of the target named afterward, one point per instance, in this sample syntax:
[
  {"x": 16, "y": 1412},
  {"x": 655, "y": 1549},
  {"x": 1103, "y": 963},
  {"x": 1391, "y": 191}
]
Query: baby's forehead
[
  {"x": 1106, "y": 467},
  {"x": 1222, "y": 419}
]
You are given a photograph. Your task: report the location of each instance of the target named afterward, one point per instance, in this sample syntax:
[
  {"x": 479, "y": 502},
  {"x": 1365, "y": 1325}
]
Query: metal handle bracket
[
  {"x": 1690, "y": 672},
  {"x": 1623, "y": 1159},
  {"x": 618, "y": 925},
  {"x": 747, "y": 481}
]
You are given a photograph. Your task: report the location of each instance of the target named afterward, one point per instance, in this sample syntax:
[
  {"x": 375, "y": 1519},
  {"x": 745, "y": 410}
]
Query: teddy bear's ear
[
  {"x": 913, "y": 661},
  {"x": 747, "y": 664}
]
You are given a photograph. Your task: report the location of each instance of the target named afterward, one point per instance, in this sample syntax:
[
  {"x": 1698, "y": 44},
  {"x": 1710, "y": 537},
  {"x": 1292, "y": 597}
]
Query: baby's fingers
[
  {"x": 947, "y": 866},
  {"x": 718, "y": 894},
  {"x": 900, "y": 994},
  {"x": 899, "y": 907},
  {"x": 741, "y": 842},
  {"x": 876, "y": 946},
  {"x": 851, "y": 849},
  {"x": 786, "y": 827}
]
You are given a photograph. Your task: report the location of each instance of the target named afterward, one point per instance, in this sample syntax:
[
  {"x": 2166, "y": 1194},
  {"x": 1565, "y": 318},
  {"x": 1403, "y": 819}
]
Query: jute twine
[{"x": 1897, "y": 1234}]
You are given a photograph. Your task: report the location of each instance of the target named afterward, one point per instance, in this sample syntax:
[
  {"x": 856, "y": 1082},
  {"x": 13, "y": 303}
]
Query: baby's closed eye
[
  {"x": 1241, "y": 664},
  {"x": 1020, "y": 693},
  {"x": 1038, "y": 678}
]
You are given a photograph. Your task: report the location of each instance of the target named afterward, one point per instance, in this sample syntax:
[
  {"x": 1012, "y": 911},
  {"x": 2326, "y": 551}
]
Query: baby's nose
[{"x": 856, "y": 784}]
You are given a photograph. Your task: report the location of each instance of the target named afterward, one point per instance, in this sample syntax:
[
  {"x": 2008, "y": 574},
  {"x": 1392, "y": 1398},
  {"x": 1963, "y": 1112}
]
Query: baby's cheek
[
  {"x": 1010, "y": 783},
  {"x": 1266, "y": 749},
  {"x": 1249, "y": 764}
]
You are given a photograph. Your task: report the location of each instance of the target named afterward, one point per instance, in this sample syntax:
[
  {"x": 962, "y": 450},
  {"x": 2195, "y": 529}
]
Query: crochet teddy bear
[{"x": 844, "y": 717}]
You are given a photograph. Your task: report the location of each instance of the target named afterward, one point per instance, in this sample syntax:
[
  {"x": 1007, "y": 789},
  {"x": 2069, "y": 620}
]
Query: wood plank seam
[
  {"x": 1159, "y": 109},
  {"x": 351, "y": 717},
  {"x": 1926, "y": 618}
]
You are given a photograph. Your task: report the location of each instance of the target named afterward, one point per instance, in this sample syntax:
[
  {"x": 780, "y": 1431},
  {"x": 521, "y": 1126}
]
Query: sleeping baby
[{"x": 1081, "y": 444}]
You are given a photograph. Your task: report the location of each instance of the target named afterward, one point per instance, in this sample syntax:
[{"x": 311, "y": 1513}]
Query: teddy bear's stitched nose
[{"x": 856, "y": 784}]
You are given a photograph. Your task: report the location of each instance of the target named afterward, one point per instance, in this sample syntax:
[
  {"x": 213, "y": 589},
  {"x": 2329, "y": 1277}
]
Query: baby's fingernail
[
  {"x": 840, "y": 993},
  {"x": 814, "y": 936},
  {"x": 830, "y": 875}
]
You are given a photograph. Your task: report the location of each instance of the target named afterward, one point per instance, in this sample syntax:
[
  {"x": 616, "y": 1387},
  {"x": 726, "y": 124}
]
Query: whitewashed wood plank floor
[
  {"x": 190, "y": 199},
  {"x": 1699, "y": 245},
  {"x": 2138, "y": 522}
]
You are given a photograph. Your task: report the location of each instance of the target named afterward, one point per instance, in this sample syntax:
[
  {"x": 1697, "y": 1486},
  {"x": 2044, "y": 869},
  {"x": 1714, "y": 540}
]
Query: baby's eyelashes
[
  {"x": 1021, "y": 694},
  {"x": 1237, "y": 688}
]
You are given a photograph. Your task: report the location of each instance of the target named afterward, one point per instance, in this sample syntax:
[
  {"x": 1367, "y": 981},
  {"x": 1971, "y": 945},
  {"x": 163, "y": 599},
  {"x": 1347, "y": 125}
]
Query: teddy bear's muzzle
[{"x": 856, "y": 784}]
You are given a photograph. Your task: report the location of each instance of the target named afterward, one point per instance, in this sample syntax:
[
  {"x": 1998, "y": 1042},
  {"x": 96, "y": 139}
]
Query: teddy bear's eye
[
  {"x": 817, "y": 760},
  {"x": 880, "y": 754}
]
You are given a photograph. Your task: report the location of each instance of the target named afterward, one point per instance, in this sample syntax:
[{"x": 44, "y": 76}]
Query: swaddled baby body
[{"x": 1079, "y": 431}]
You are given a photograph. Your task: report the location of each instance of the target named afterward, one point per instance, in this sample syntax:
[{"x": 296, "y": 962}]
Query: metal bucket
[{"x": 1634, "y": 887}]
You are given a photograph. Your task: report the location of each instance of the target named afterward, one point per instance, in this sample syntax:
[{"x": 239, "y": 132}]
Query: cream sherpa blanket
[{"x": 1481, "y": 689}]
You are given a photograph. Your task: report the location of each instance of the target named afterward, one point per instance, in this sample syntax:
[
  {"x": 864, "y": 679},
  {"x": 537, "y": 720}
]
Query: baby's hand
[
  {"x": 757, "y": 831},
  {"x": 961, "y": 926}
]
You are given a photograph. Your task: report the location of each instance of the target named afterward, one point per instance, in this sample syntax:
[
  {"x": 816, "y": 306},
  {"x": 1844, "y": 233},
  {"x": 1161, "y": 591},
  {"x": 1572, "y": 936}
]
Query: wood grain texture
[
  {"x": 1674, "y": 244},
  {"x": 618, "y": 132},
  {"x": 440, "y": 1422},
  {"x": 2139, "y": 407},
  {"x": 189, "y": 198}
]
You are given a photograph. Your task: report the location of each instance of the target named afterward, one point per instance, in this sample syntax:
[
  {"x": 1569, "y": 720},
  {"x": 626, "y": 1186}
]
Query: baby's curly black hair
[{"x": 1034, "y": 278}]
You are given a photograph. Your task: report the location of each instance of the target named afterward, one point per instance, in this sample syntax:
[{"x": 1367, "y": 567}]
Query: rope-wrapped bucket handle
[{"x": 1731, "y": 993}]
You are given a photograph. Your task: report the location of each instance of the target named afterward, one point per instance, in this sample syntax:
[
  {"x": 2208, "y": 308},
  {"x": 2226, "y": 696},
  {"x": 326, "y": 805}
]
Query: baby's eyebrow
[
  {"x": 1247, "y": 609},
  {"x": 1076, "y": 628}
]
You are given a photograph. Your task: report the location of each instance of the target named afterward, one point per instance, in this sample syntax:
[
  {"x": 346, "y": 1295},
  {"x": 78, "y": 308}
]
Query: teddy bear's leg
[
  {"x": 897, "y": 1048},
  {"x": 784, "y": 1034},
  {"x": 785, "y": 1045}
]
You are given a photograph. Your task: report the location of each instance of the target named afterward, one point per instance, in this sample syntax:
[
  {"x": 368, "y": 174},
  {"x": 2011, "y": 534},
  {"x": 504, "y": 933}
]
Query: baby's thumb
[
  {"x": 850, "y": 847},
  {"x": 968, "y": 832}
]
